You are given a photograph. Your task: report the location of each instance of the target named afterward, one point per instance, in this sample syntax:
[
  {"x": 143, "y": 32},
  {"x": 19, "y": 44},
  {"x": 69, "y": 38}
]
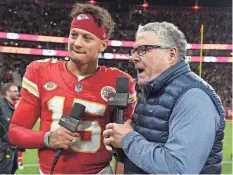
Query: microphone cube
[
  {"x": 69, "y": 123},
  {"x": 118, "y": 99}
]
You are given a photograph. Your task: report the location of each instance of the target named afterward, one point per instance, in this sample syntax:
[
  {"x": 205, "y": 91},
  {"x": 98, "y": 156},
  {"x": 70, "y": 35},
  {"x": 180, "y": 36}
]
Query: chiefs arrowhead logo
[
  {"x": 49, "y": 86},
  {"x": 82, "y": 17},
  {"x": 105, "y": 91}
]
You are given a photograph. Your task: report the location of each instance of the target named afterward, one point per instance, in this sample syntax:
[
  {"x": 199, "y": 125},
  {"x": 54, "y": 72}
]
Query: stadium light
[
  {"x": 145, "y": 4},
  {"x": 92, "y": 1},
  {"x": 196, "y": 6}
]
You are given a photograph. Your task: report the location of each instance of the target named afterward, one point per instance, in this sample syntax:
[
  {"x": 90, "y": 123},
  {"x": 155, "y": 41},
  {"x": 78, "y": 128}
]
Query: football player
[{"x": 51, "y": 87}]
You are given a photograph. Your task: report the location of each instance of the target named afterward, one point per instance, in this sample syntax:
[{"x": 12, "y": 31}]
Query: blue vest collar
[{"x": 167, "y": 76}]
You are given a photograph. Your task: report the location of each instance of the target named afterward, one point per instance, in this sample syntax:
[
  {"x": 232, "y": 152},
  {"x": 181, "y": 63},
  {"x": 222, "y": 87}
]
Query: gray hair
[{"x": 169, "y": 35}]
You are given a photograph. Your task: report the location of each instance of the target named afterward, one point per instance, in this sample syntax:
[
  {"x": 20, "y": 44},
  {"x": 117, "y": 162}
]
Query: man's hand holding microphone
[{"x": 115, "y": 132}]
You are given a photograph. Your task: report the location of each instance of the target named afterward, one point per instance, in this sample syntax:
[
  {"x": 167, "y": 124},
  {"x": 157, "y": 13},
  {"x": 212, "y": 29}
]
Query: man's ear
[
  {"x": 103, "y": 45},
  {"x": 173, "y": 55},
  {"x": 7, "y": 93}
]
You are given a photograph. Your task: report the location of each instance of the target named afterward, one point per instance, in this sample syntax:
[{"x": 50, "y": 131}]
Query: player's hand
[{"x": 61, "y": 138}]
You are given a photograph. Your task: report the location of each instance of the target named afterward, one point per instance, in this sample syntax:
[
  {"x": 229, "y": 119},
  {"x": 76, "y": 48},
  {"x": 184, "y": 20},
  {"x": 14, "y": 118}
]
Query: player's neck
[{"x": 81, "y": 70}]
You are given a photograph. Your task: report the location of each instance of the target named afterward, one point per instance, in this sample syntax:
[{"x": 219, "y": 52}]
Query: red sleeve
[
  {"x": 132, "y": 100},
  {"x": 27, "y": 112},
  {"x": 30, "y": 84},
  {"x": 20, "y": 130}
]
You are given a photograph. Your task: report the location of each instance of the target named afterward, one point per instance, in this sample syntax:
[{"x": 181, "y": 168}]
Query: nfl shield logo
[{"x": 78, "y": 88}]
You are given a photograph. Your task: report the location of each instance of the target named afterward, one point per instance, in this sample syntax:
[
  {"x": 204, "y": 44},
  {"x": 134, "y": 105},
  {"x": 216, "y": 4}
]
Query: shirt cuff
[
  {"x": 128, "y": 139},
  {"x": 47, "y": 138}
]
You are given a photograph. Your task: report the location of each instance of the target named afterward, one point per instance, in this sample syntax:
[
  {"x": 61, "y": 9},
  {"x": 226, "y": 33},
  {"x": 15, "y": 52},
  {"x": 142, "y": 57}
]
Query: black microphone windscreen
[
  {"x": 122, "y": 85},
  {"x": 77, "y": 111}
]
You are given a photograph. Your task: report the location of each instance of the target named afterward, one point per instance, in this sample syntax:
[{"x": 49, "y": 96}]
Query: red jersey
[{"x": 49, "y": 91}]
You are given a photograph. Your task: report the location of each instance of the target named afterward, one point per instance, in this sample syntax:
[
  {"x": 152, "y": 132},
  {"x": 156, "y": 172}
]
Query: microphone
[
  {"x": 120, "y": 101},
  {"x": 71, "y": 123},
  {"x": 120, "y": 98}
]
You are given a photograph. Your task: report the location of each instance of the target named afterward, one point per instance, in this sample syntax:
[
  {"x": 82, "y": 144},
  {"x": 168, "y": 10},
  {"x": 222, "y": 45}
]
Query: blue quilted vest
[{"x": 155, "y": 106}]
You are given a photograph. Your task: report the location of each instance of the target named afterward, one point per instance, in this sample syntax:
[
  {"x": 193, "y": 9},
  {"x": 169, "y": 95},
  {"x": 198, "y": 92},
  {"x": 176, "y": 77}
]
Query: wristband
[{"x": 47, "y": 138}]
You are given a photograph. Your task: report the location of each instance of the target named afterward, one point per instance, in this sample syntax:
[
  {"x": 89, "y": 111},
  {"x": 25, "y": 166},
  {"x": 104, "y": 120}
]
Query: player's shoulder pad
[
  {"x": 118, "y": 73},
  {"x": 42, "y": 63},
  {"x": 47, "y": 61}
]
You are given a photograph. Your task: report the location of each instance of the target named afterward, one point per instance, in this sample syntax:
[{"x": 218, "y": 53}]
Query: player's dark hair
[{"x": 101, "y": 16}]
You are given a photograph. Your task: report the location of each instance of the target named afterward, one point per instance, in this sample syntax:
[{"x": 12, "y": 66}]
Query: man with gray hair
[{"x": 178, "y": 123}]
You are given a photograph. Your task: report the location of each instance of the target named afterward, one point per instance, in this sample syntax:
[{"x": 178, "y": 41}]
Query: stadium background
[{"x": 38, "y": 29}]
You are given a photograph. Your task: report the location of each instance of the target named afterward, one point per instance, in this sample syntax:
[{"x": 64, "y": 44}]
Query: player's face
[
  {"x": 84, "y": 47},
  {"x": 149, "y": 62}
]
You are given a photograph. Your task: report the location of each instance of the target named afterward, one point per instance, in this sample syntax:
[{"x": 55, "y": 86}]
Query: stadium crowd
[
  {"x": 217, "y": 75},
  {"x": 41, "y": 19},
  {"x": 52, "y": 20}
]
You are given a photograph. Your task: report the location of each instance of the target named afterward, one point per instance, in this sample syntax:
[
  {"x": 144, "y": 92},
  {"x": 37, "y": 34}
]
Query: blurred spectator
[{"x": 217, "y": 75}]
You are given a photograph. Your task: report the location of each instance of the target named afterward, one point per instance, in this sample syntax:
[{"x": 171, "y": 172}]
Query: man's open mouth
[{"x": 140, "y": 70}]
